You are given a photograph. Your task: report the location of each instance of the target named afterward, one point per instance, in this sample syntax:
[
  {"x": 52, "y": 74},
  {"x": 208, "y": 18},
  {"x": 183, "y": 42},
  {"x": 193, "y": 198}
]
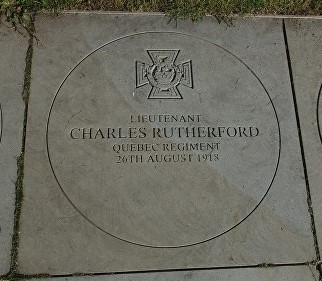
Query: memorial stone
[{"x": 154, "y": 146}]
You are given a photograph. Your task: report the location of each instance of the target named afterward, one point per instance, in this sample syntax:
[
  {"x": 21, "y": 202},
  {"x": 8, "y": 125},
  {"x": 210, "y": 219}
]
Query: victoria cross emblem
[{"x": 164, "y": 75}]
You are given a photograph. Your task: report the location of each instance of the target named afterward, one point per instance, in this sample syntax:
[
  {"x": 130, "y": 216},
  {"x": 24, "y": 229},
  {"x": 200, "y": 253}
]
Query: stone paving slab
[
  {"x": 305, "y": 43},
  {"x": 13, "y": 48},
  {"x": 238, "y": 201},
  {"x": 288, "y": 273}
]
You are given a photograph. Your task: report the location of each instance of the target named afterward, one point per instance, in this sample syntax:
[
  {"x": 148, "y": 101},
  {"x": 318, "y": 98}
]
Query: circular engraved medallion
[{"x": 163, "y": 139}]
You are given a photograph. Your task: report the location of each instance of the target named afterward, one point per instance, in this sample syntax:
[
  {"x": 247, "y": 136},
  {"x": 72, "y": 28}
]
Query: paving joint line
[
  {"x": 18, "y": 276},
  {"x": 20, "y": 159},
  {"x": 307, "y": 183},
  {"x": 319, "y": 268}
]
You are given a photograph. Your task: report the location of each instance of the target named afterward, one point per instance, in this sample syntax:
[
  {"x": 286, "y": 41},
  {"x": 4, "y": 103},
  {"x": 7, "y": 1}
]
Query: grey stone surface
[
  {"x": 288, "y": 273},
  {"x": 114, "y": 217},
  {"x": 319, "y": 113},
  {"x": 13, "y": 48},
  {"x": 305, "y": 44}
]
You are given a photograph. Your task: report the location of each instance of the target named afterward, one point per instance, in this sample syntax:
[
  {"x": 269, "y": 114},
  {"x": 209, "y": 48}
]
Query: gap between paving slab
[
  {"x": 309, "y": 199},
  {"x": 13, "y": 47},
  {"x": 280, "y": 273},
  {"x": 20, "y": 159},
  {"x": 305, "y": 49}
]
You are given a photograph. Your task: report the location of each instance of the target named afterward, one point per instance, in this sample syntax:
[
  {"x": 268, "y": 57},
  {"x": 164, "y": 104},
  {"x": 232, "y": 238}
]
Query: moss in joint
[{"x": 20, "y": 161}]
